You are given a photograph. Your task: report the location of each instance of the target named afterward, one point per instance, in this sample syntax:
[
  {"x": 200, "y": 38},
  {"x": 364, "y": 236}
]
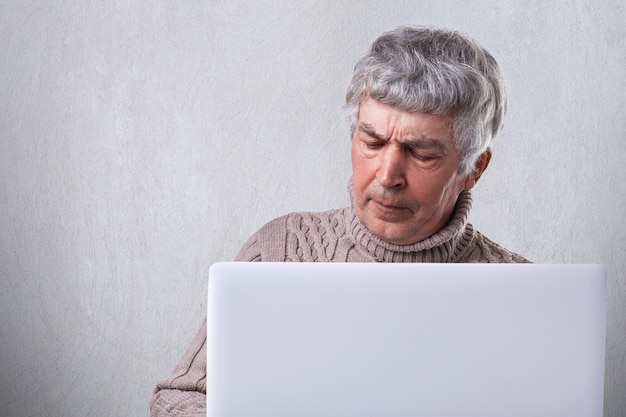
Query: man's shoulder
[
  {"x": 270, "y": 240},
  {"x": 302, "y": 219},
  {"x": 486, "y": 250}
]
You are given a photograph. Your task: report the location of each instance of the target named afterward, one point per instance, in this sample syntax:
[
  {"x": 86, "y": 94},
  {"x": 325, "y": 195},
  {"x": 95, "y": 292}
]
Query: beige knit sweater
[{"x": 332, "y": 236}]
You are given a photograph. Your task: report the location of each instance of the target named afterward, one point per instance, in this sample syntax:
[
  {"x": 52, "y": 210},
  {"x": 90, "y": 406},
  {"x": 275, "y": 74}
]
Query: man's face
[{"x": 405, "y": 172}]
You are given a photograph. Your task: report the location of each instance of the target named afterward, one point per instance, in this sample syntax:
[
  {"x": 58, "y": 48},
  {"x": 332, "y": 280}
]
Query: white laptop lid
[{"x": 321, "y": 339}]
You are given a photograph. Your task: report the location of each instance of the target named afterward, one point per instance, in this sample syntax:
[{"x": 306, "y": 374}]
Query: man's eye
[
  {"x": 423, "y": 157},
  {"x": 373, "y": 145}
]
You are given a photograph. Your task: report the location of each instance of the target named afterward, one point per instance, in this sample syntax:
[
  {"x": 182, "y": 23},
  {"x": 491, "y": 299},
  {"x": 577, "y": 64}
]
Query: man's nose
[{"x": 391, "y": 170}]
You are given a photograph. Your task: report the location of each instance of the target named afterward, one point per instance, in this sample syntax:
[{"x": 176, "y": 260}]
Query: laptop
[{"x": 357, "y": 340}]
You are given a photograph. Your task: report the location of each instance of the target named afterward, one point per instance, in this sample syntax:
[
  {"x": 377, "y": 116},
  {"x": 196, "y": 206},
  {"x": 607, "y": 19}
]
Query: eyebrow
[
  {"x": 418, "y": 142},
  {"x": 370, "y": 131}
]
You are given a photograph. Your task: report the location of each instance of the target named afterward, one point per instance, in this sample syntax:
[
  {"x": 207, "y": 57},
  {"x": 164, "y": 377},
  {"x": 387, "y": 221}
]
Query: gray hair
[{"x": 418, "y": 69}]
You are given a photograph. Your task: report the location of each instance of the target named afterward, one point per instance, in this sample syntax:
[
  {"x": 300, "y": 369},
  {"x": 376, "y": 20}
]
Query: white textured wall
[{"x": 141, "y": 142}]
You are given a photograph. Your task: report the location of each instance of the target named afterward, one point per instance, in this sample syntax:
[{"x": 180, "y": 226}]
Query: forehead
[{"x": 388, "y": 122}]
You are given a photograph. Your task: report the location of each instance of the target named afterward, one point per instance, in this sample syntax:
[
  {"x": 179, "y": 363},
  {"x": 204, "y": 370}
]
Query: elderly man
[{"x": 425, "y": 105}]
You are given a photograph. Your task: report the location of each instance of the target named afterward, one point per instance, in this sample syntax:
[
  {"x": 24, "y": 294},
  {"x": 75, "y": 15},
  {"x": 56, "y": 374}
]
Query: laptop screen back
[{"x": 288, "y": 339}]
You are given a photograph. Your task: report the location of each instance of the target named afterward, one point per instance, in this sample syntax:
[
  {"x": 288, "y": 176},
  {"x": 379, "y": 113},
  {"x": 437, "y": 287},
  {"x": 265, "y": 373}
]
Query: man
[{"x": 425, "y": 105}]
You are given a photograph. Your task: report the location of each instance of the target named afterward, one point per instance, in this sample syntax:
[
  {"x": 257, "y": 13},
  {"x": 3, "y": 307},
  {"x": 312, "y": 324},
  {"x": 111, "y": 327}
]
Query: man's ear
[{"x": 481, "y": 165}]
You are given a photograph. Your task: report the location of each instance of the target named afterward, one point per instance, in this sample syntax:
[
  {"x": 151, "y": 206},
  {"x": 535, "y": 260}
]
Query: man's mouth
[{"x": 388, "y": 207}]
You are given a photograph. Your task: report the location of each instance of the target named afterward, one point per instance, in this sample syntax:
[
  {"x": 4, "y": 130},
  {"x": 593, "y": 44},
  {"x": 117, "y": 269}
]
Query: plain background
[{"x": 140, "y": 142}]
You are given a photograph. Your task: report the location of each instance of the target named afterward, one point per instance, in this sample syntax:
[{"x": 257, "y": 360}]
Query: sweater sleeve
[{"x": 184, "y": 392}]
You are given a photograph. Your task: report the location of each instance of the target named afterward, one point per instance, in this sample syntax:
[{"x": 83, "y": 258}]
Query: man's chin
[
  {"x": 393, "y": 233},
  {"x": 392, "y": 227}
]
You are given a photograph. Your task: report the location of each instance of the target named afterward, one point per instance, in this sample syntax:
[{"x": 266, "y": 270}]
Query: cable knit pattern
[
  {"x": 333, "y": 236},
  {"x": 311, "y": 237}
]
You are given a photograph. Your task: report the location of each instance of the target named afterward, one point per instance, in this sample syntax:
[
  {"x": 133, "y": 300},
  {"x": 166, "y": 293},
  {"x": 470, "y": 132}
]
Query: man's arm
[{"x": 184, "y": 392}]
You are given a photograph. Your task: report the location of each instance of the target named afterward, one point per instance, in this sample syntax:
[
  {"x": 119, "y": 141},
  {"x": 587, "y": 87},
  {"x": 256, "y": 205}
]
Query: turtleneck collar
[{"x": 444, "y": 246}]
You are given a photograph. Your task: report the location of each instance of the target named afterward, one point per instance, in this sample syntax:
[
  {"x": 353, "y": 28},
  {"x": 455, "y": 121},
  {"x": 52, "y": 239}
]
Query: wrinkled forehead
[{"x": 383, "y": 122}]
